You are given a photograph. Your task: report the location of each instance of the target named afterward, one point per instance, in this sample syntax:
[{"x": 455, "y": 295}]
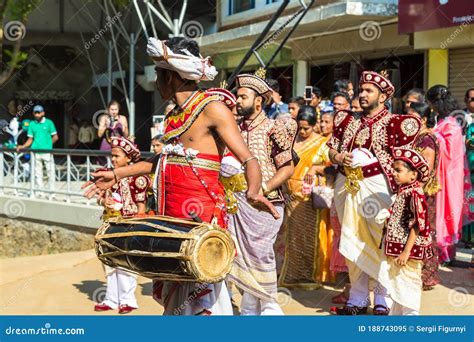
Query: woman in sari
[
  {"x": 428, "y": 146},
  {"x": 468, "y": 230},
  {"x": 306, "y": 228},
  {"x": 449, "y": 206}
]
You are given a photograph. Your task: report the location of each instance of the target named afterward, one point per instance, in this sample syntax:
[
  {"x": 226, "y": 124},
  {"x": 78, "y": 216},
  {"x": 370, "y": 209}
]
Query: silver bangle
[{"x": 244, "y": 164}]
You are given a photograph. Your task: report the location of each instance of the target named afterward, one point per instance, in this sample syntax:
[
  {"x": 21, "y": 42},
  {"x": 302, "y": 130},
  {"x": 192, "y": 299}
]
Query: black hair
[
  {"x": 418, "y": 93},
  {"x": 425, "y": 112},
  {"x": 466, "y": 96},
  {"x": 340, "y": 94},
  {"x": 298, "y": 100},
  {"x": 273, "y": 84},
  {"x": 408, "y": 166},
  {"x": 317, "y": 91},
  {"x": 441, "y": 100},
  {"x": 182, "y": 44},
  {"x": 307, "y": 113},
  {"x": 158, "y": 137},
  {"x": 341, "y": 85}
]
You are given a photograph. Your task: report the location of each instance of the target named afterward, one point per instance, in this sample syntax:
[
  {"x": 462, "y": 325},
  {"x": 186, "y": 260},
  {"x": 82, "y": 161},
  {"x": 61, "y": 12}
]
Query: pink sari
[{"x": 449, "y": 200}]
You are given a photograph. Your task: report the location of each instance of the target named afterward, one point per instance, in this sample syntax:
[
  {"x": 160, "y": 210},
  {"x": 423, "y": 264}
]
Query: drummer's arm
[
  {"x": 223, "y": 122},
  {"x": 139, "y": 169}
]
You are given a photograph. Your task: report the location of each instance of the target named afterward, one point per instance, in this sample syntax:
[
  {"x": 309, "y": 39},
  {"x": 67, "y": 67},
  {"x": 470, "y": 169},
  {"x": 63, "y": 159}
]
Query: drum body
[{"x": 166, "y": 248}]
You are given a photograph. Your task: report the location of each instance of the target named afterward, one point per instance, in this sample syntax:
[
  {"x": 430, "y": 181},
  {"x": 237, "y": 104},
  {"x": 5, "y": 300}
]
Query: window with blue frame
[
  {"x": 272, "y": 1},
  {"x": 237, "y": 6}
]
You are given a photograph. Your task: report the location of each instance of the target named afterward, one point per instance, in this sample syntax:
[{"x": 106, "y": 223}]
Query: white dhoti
[
  {"x": 121, "y": 287},
  {"x": 189, "y": 299},
  {"x": 361, "y": 236}
]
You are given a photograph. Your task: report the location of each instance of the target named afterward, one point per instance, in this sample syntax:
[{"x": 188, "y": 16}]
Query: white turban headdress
[{"x": 186, "y": 65}]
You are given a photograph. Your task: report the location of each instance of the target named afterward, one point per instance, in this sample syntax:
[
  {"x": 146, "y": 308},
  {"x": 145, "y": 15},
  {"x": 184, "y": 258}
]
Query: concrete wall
[{"x": 79, "y": 217}]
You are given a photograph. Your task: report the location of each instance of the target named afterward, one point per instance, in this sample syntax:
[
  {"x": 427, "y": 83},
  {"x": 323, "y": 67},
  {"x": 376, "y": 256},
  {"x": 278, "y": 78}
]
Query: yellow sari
[{"x": 306, "y": 230}]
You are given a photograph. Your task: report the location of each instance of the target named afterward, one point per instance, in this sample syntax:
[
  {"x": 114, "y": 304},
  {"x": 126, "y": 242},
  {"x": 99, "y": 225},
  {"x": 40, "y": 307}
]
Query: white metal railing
[{"x": 69, "y": 169}]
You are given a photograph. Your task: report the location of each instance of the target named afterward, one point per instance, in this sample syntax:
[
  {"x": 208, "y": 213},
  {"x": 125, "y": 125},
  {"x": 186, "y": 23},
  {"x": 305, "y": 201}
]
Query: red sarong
[{"x": 180, "y": 191}]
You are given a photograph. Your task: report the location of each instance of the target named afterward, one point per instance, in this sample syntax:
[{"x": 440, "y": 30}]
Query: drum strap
[{"x": 219, "y": 199}]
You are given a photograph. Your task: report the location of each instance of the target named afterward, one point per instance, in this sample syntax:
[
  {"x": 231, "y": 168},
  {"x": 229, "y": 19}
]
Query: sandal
[
  {"x": 349, "y": 310},
  {"x": 381, "y": 310},
  {"x": 339, "y": 299}
]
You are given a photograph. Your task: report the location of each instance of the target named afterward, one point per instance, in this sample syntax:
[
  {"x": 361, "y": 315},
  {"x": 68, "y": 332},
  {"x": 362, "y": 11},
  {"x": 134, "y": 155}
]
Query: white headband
[{"x": 186, "y": 65}]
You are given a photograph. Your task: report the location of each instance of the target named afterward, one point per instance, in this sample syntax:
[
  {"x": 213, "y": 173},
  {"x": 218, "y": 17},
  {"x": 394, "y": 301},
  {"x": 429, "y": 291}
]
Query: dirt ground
[{"x": 70, "y": 283}]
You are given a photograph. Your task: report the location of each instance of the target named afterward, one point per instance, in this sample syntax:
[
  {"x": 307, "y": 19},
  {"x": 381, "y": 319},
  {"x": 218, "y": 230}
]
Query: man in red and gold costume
[
  {"x": 362, "y": 145},
  {"x": 197, "y": 132}
]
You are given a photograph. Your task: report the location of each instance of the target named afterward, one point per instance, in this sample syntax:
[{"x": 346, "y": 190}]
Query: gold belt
[
  {"x": 235, "y": 183},
  {"x": 353, "y": 177},
  {"x": 197, "y": 162}
]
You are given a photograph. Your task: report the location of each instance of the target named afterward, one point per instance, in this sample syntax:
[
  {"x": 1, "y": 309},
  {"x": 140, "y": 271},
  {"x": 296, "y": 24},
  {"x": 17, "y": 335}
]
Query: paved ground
[{"x": 69, "y": 283}]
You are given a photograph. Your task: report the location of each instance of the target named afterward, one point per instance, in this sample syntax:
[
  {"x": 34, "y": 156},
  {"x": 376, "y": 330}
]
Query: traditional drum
[{"x": 166, "y": 248}]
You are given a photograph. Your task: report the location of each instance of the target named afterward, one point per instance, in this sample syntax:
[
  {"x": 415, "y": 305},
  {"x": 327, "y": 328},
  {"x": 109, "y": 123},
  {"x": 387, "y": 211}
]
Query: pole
[
  {"x": 131, "y": 84},
  {"x": 109, "y": 69}
]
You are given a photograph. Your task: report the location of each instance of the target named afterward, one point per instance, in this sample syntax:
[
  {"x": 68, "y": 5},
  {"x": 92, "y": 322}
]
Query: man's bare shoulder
[{"x": 217, "y": 111}]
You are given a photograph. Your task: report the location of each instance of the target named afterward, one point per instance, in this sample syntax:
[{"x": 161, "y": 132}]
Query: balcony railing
[{"x": 69, "y": 169}]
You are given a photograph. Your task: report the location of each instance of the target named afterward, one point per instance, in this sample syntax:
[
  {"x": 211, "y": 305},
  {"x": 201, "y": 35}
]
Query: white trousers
[
  {"x": 254, "y": 306},
  {"x": 46, "y": 160},
  {"x": 359, "y": 294},
  {"x": 120, "y": 289},
  {"x": 400, "y": 310}
]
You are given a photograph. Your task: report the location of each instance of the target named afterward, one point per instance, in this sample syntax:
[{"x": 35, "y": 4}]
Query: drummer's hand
[
  {"x": 102, "y": 181},
  {"x": 260, "y": 202}
]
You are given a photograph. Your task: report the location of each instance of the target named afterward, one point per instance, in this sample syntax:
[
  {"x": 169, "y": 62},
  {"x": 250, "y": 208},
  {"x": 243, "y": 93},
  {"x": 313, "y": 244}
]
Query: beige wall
[{"x": 348, "y": 45}]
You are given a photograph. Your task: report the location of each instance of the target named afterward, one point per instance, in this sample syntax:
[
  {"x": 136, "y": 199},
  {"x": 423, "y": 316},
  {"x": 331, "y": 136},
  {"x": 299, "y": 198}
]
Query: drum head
[{"x": 213, "y": 255}]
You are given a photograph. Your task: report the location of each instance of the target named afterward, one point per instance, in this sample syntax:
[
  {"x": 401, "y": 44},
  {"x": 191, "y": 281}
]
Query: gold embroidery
[
  {"x": 141, "y": 182},
  {"x": 340, "y": 116},
  {"x": 410, "y": 127},
  {"x": 363, "y": 136}
]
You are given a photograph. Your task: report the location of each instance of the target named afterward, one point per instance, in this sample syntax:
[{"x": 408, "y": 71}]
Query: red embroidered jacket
[
  {"x": 379, "y": 134},
  {"x": 132, "y": 190},
  {"x": 409, "y": 211}
]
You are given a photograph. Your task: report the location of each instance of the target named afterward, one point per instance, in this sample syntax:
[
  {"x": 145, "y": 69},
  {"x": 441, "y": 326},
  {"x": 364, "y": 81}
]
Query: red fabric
[{"x": 184, "y": 192}]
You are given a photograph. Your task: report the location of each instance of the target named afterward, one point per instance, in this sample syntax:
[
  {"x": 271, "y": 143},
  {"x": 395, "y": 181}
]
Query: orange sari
[{"x": 306, "y": 230}]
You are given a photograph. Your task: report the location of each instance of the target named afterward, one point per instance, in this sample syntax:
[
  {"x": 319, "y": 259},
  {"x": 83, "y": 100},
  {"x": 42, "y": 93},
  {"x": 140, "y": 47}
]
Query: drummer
[{"x": 127, "y": 198}]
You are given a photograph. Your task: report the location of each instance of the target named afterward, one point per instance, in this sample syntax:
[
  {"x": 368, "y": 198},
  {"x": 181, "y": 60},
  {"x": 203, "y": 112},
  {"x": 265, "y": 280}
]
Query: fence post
[
  {"x": 2, "y": 170},
  {"x": 68, "y": 177}
]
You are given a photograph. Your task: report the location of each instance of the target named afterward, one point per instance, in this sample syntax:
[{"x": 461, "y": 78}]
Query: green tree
[{"x": 10, "y": 11}]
